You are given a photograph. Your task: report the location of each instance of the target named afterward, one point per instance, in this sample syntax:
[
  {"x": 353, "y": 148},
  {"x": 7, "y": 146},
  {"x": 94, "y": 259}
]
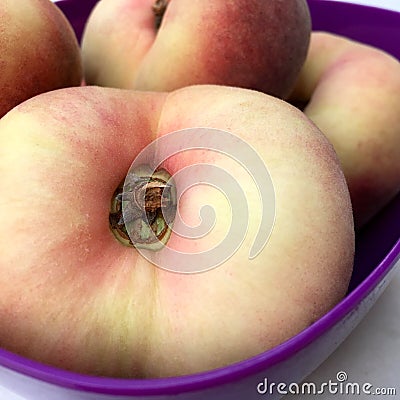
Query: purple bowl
[{"x": 377, "y": 253}]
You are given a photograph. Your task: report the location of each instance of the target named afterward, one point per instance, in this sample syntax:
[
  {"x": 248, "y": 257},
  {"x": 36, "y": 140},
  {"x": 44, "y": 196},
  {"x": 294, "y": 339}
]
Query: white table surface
[{"x": 372, "y": 352}]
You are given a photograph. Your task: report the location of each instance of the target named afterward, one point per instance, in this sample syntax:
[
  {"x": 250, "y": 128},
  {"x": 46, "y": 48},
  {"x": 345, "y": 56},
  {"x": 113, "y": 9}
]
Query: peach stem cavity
[{"x": 159, "y": 8}]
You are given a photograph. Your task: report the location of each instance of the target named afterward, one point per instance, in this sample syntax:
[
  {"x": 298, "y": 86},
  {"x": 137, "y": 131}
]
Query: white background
[
  {"x": 389, "y": 4},
  {"x": 372, "y": 352}
]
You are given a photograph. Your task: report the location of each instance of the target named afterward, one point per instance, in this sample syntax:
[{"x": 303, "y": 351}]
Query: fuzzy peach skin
[
  {"x": 39, "y": 51},
  {"x": 73, "y": 296},
  {"x": 352, "y": 93},
  {"x": 228, "y": 42}
]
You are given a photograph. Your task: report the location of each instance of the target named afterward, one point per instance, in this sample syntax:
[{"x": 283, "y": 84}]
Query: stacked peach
[
  {"x": 77, "y": 289},
  {"x": 39, "y": 51}
]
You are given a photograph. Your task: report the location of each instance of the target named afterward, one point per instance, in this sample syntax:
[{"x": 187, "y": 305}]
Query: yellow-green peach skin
[{"x": 74, "y": 297}]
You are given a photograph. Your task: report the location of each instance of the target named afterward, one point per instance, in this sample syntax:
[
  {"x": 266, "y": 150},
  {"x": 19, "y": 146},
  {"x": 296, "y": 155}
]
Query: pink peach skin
[
  {"x": 352, "y": 93},
  {"x": 74, "y": 297},
  {"x": 39, "y": 51},
  {"x": 254, "y": 44}
]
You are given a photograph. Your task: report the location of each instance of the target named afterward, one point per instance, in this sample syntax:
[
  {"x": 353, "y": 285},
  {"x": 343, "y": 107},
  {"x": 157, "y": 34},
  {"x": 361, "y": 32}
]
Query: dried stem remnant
[{"x": 143, "y": 210}]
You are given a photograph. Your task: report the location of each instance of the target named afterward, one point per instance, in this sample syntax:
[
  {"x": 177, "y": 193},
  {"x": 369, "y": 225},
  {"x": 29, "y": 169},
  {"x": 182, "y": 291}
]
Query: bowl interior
[{"x": 377, "y": 245}]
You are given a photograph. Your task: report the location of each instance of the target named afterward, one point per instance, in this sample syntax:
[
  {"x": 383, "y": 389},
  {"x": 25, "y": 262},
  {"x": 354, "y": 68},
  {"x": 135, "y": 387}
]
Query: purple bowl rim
[{"x": 240, "y": 370}]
